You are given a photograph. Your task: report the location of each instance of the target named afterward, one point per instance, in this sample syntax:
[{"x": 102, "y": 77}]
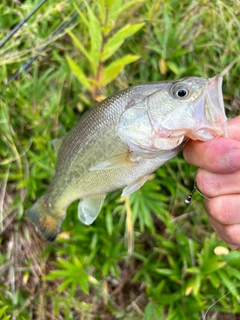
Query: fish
[{"x": 122, "y": 140}]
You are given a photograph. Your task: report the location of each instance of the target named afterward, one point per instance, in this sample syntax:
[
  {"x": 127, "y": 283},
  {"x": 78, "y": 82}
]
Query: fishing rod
[
  {"x": 21, "y": 23},
  {"x": 43, "y": 47}
]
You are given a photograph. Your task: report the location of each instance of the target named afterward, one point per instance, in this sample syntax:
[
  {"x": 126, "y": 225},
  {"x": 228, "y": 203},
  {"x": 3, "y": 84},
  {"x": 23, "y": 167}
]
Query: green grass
[{"x": 148, "y": 256}]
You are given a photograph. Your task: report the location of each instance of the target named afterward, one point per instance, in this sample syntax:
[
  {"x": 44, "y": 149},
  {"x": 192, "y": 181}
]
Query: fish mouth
[
  {"x": 214, "y": 93},
  {"x": 209, "y": 112}
]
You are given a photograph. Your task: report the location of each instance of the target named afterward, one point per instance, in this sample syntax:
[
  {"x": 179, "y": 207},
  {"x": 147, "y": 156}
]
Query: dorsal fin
[{"x": 56, "y": 143}]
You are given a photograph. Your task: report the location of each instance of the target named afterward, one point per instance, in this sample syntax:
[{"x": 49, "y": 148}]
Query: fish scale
[
  {"x": 84, "y": 138},
  {"x": 121, "y": 141}
]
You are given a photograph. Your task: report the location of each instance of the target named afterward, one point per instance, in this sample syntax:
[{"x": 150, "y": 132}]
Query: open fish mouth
[
  {"x": 214, "y": 93},
  {"x": 209, "y": 112}
]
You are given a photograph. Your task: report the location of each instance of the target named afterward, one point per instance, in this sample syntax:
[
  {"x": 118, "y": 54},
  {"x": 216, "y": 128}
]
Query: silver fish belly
[{"x": 121, "y": 141}]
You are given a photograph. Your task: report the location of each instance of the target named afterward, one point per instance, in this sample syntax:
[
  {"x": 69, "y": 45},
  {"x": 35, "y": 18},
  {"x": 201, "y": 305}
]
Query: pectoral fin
[
  {"x": 89, "y": 208},
  {"x": 113, "y": 162},
  {"x": 134, "y": 186}
]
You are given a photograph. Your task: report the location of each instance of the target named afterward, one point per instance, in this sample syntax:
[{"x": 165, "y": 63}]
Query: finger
[
  {"x": 224, "y": 209},
  {"x": 233, "y": 128},
  {"x": 219, "y": 155},
  {"x": 213, "y": 184},
  {"x": 229, "y": 234}
]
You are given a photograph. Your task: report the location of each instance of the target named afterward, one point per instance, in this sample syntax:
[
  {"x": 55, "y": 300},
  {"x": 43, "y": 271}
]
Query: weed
[{"x": 147, "y": 256}]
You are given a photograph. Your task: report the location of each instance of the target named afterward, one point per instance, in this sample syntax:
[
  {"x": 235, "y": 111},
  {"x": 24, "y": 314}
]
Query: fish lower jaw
[{"x": 205, "y": 134}]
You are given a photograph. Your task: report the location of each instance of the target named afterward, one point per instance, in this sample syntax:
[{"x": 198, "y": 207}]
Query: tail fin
[{"x": 46, "y": 224}]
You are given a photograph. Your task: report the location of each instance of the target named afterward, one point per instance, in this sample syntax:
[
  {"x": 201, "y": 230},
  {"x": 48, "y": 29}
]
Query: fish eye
[{"x": 180, "y": 91}]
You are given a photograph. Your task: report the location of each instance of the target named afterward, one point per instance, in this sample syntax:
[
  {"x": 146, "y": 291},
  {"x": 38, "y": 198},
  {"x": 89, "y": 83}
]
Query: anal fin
[
  {"x": 89, "y": 208},
  {"x": 134, "y": 186}
]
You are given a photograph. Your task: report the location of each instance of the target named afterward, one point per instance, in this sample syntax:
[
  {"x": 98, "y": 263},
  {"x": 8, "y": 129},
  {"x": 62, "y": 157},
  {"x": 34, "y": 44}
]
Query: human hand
[{"x": 218, "y": 178}]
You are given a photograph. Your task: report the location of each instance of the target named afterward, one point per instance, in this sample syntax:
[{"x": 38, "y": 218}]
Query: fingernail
[{"x": 233, "y": 159}]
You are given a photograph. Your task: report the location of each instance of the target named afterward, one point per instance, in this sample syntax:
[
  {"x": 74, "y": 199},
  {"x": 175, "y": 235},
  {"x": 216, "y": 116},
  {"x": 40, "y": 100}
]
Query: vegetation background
[{"x": 147, "y": 256}]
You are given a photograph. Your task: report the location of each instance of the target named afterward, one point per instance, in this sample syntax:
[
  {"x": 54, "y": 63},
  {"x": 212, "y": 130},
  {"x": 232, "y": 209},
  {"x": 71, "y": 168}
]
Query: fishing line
[
  {"x": 188, "y": 199},
  {"x": 205, "y": 314},
  {"x": 201, "y": 194}
]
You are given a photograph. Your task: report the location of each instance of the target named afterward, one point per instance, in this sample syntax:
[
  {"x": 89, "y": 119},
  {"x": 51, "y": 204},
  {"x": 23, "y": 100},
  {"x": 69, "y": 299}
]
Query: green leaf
[
  {"x": 210, "y": 265},
  {"x": 110, "y": 73},
  {"x": 176, "y": 314},
  {"x": 139, "y": 256},
  {"x": 103, "y": 12},
  {"x": 233, "y": 256},
  {"x": 112, "y": 70},
  {"x": 197, "y": 284},
  {"x": 72, "y": 273},
  {"x": 173, "y": 67},
  {"x": 109, "y": 222},
  {"x": 109, "y": 3},
  {"x": 214, "y": 280},
  {"x": 80, "y": 46},
  {"x": 233, "y": 272},
  {"x": 65, "y": 284},
  {"x": 96, "y": 38},
  {"x": 169, "y": 297},
  {"x": 166, "y": 272},
  {"x": 79, "y": 73},
  {"x": 228, "y": 282},
  {"x": 115, "y": 10},
  {"x": 3, "y": 315},
  {"x": 152, "y": 311},
  {"x": 194, "y": 270},
  {"x": 117, "y": 40},
  {"x": 118, "y": 7},
  {"x": 82, "y": 16},
  {"x": 84, "y": 284}
]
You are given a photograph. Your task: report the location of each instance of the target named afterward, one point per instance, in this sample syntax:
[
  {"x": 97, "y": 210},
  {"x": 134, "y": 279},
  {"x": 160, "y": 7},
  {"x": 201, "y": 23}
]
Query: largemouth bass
[{"x": 121, "y": 141}]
